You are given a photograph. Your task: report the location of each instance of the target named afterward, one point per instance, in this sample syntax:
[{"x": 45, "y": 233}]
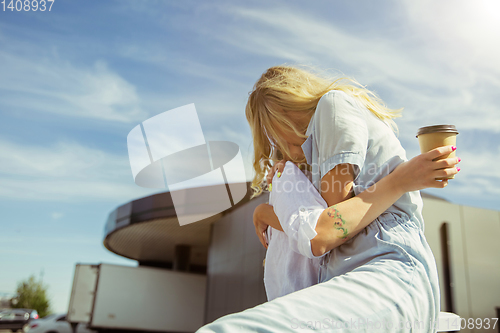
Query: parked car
[
  {"x": 55, "y": 323},
  {"x": 17, "y": 319}
]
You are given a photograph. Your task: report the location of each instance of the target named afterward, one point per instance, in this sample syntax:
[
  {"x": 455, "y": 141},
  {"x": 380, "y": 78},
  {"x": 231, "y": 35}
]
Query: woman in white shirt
[
  {"x": 289, "y": 252},
  {"x": 376, "y": 270}
]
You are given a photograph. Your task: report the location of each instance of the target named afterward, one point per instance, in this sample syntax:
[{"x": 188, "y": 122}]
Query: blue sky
[{"x": 76, "y": 80}]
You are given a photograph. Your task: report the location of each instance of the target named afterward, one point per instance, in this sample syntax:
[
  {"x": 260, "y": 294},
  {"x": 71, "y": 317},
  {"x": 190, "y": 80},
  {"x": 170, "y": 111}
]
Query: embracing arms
[
  {"x": 344, "y": 219},
  {"x": 336, "y": 186},
  {"x": 264, "y": 216}
]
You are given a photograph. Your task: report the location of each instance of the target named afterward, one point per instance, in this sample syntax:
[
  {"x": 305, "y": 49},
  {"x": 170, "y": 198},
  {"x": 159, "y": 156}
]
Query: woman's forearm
[
  {"x": 266, "y": 214},
  {"x": 344, "y": 220}
]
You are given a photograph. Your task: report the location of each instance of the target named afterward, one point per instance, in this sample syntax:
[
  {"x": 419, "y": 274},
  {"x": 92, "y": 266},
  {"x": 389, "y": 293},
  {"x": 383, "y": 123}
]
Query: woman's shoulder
[
  {"x": 335, "y": 101},
  {"x": 336, "y": 110},
  {"x": 338, "y": 94}
]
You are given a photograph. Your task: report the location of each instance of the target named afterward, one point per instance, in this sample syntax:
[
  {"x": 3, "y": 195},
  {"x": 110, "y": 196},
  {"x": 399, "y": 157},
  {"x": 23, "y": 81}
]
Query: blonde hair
[{"x": 285, "y": 94}]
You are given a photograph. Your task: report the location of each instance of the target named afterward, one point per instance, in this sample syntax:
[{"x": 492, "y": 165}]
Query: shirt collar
[
  {"x": 307, "y": 145},
  {"x": 307, "y": 149}
]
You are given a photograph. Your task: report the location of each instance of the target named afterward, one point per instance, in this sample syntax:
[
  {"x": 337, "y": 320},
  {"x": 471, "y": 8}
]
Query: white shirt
[{"x": 290, "y": 265}]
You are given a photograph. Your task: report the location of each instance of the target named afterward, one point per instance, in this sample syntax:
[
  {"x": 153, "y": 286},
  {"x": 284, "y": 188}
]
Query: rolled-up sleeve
[
  {"x": 340, "y": 131},
  {"x": 301, "y": 239}
]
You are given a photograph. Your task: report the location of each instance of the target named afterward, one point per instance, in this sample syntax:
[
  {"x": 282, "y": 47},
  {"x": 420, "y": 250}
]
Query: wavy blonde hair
[{"x": 284, "y": 100}]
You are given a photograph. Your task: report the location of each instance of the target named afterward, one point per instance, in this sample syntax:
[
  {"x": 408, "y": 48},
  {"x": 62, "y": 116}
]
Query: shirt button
[{"x": 302, "y": 209}]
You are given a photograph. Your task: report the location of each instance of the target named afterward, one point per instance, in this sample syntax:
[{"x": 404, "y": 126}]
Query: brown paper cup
[{"x": 431, "y": 137}]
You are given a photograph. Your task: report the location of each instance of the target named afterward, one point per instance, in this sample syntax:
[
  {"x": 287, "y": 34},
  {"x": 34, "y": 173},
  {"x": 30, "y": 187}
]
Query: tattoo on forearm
[{"x": 338, "y": 222}]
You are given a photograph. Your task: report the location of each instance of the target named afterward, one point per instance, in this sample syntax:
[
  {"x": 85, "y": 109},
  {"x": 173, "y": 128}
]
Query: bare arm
[
  {"x": 264, "y": 216},
  {"x": 345, "y": 219},
  {"x": 337, "y": 184},
  {"x": 336, "y": 187}
]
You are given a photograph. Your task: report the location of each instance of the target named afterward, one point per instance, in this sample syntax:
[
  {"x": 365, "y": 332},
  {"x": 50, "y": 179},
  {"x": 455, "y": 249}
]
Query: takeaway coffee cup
[{"x": 431, "y": 137}]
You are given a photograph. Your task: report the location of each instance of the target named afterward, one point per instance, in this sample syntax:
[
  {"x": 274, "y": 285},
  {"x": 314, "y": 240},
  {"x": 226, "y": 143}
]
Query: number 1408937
[{"x": 27, "y": 5}]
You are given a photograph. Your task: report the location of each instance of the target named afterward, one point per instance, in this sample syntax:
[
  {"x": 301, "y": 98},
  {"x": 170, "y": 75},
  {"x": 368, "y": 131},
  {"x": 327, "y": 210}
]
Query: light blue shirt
[{"x": 342, "y": 130}]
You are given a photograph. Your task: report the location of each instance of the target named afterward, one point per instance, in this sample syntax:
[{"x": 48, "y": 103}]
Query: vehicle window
[
  {"x": 8, "y": 316},
  {"x": 50, "y": 317},
  {"x": 63, "y": 318}
]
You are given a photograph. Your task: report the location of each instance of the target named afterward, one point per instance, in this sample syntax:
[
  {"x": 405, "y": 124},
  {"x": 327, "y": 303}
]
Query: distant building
[
  {"x": 225, "y": 248},
  {"x": 5, "y": 303}
]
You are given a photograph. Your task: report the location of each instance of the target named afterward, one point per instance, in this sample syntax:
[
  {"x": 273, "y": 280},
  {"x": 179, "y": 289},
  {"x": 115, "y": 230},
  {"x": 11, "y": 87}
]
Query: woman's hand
[
  {"x": 423, "y": 170},
  {"x": 277, "y": 167},
  {"x": 263, "y": 217}
]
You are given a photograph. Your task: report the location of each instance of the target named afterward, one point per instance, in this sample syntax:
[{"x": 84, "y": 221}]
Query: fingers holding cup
[{"x": 440, "y": 142}]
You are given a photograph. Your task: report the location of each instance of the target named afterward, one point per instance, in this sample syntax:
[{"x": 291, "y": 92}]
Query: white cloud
[
  {"x": 65, "y": 172},
  {"x": 433, "y": 78},
  {"x": 463, "y": 30},
  {"x": 180, "y": 64},
  {"x": 478, "y": 171},
  {"x": 459, "y": 38},
  {"x": 57, "y": 215},
  {"x": 53, "y": 239},
  {"x": 69, "y": 172},
  {"x": 297, "y": 36},
  {"x": 49, "y": 84},
  {"x": 20, "y": 252},
  {"x": 434, "y": 82}
]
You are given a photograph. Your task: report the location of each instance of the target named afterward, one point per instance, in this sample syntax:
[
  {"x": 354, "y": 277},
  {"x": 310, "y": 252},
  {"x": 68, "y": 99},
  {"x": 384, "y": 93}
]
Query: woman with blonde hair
[{"x": 376, "y": 270}]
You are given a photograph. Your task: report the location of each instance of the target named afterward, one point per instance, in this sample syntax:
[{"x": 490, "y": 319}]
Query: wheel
[{"x": 25, "y": 329}]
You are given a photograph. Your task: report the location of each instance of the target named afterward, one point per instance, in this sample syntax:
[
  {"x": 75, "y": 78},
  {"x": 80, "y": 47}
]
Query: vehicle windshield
[{"x": 9, "y": 314}]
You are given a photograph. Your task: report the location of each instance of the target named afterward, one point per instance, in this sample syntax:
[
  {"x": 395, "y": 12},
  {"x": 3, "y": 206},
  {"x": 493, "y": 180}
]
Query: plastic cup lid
[{"x": 436, "y": 129}]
